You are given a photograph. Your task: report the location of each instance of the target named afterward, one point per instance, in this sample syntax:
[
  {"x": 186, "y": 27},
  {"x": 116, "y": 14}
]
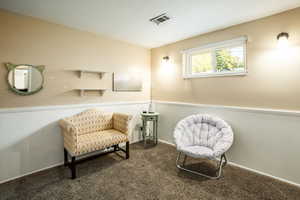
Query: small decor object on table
[{"x": 148, "y": 133}]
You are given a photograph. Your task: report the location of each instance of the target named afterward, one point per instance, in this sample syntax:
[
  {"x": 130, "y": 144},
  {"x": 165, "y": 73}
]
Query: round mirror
[{"x": 25, "y": 79}]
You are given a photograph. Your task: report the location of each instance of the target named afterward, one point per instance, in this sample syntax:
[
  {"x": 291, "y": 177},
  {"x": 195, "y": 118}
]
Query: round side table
[{"x": 153, "y": 119}]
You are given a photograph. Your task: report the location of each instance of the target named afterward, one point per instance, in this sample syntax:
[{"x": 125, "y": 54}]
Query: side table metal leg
[
  {"x": 153, "y": 131},
  {"x": 156, "y": 138},
  {"x": 144, "y": 132}
]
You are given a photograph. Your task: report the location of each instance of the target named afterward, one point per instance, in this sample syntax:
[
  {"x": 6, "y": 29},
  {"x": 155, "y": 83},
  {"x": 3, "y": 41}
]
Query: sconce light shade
[
  {"x": 282, "y": 35},
  {"x": 283, "y": 39},
  {"x": 166, "y": 58}
]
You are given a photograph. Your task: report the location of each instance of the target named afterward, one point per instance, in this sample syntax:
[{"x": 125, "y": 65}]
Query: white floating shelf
[
  {"x": 83, "y": 90},
  {"x": 82, "y": 71}
]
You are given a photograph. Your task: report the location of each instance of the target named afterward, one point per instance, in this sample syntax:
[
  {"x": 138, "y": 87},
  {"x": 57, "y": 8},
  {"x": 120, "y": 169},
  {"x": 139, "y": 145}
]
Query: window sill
[{"x": 204, "y": 75}]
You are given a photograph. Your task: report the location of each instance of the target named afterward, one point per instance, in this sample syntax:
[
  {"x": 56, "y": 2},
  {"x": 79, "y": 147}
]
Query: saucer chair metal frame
[{"x": 222, "y": 163}]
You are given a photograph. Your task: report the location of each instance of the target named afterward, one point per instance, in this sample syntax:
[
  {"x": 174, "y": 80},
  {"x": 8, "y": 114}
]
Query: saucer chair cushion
[{"x": 203, "y": 136}]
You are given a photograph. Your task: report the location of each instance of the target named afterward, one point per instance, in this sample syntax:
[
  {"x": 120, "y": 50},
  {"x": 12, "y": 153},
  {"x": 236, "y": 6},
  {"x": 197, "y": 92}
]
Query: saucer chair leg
[
  {"x": 222, "y": 163},
  {"x": 219, "y": 169},
  {"x": 184, "y": 160}
]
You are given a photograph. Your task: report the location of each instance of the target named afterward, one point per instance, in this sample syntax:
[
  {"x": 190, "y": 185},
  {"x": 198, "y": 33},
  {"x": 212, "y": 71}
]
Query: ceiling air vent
[{"x": 160, "y": 19}]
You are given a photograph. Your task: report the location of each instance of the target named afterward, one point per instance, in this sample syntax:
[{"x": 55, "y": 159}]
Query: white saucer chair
[{"x": 203, "y": 136}]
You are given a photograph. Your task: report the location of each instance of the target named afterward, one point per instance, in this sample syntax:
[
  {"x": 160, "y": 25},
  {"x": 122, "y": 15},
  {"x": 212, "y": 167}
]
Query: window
[{"x": 218, "y": 59}]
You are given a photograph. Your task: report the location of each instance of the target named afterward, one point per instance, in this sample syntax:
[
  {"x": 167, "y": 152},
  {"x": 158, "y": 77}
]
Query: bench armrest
[
  {"x": 69, "y": 133},
  {"x": 121, "y": 122}
]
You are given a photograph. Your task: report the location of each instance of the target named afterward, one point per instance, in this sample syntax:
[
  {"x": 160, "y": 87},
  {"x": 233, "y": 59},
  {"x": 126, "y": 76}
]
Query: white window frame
[{"x": 187, "y": 58}]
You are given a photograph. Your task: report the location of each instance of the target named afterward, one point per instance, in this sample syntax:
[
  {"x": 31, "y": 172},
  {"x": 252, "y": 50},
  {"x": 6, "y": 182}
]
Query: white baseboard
[
  {"x": 264, "y": 174},
  {"x": 171, "y": 144},
  {"x": 49, "y": 167},
  {"x": 166, "y": 142},
  {"x": 247, "y": 168},
  {"x": 33, "y": 172}
]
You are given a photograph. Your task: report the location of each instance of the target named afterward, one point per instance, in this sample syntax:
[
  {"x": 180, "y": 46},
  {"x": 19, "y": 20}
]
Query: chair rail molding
[
  {"x": 68, "y": 106},
  {"x": 237, "y": 108}
]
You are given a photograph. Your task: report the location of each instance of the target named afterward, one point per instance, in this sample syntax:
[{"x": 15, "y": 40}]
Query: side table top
[{"x": 150, "y": 114}]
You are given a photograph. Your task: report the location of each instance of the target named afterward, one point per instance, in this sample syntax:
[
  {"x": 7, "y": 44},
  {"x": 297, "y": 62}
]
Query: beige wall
[
  {"x": 273, "y": 80},
  {"x": 31, "y": 41}
]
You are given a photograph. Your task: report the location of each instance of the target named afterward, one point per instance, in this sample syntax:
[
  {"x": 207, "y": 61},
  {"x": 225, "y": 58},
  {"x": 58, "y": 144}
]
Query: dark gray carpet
[{"x": 148, "y": 174}]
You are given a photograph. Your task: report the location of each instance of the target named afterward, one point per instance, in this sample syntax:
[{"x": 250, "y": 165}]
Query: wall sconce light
[
  {"x": 283, "y": 39},
  {"x": 166, "y": 67},
  {"x": 166, "y": 58}
]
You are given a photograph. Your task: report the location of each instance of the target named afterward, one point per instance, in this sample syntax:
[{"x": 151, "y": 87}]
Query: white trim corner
[{"x": 32, "y": 172}]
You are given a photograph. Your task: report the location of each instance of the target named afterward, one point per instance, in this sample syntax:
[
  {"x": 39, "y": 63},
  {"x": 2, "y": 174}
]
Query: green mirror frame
[{"x": 10, "y": 67}]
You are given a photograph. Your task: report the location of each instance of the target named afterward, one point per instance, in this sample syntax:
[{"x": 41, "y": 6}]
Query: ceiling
[{"x": 128, "y": 20}]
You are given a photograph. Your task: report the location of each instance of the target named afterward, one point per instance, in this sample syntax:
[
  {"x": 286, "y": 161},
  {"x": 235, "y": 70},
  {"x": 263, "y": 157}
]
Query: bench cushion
[{"x": 98, "y": 140}]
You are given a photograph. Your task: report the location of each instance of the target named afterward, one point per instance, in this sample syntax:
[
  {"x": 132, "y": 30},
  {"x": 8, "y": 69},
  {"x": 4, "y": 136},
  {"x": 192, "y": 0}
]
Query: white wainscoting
[
  {"x": 266, "y": 141},
  {"x": 30, "y": 138}
]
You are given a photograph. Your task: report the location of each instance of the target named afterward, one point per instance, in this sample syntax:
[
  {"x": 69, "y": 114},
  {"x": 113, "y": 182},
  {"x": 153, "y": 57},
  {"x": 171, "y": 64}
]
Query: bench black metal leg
[
  {"x": 72, "y": 164},
  {"x": 73, "y": 168},
  {"x": 127, "y": 150},
  {"x": 65, "y": 157},
  {"x": 116, "y": 147}
]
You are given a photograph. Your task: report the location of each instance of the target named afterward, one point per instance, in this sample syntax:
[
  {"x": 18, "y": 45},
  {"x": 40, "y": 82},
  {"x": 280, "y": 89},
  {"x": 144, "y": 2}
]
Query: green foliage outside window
[
  {"x": 227, "y": 62},
  {"x": 202, "y": 63}
]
